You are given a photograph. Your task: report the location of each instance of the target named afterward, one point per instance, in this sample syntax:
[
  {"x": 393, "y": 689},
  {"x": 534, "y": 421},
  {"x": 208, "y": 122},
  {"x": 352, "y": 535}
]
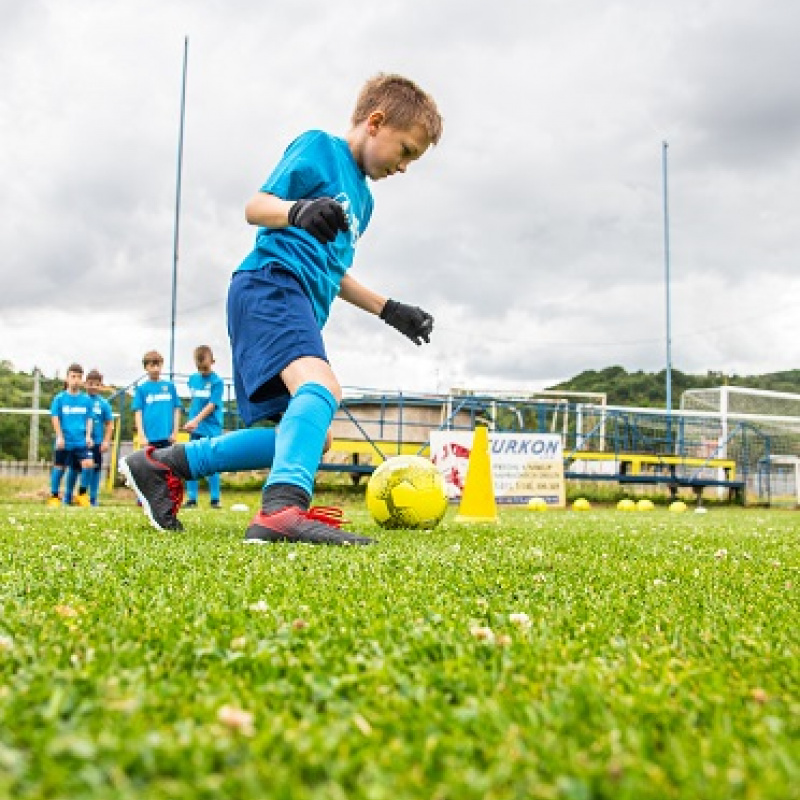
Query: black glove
[
  {"x": 411, "y": 321},
  {"x": 323, "y": 218}
]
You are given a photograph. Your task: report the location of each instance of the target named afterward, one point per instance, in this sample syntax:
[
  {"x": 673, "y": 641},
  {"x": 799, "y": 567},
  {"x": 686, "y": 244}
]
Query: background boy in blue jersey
[
  {"x": 205, "y": 417},
  {"x": 102, "y": 428},
  {"x": 310, "y": 213},
  {"x": 156, "y": 405},
  {"x": 70, "y": 414}
]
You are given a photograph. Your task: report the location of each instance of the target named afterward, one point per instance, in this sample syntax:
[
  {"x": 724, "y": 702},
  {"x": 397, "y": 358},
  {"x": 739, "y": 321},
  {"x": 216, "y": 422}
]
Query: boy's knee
[
  {"x": 328, "y": 441},
  {"x": 332, "y": 385}
]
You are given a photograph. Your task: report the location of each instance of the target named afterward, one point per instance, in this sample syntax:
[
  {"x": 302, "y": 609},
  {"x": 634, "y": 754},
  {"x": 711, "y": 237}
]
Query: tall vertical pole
[
  {"x": 664, "y": 147},
  {"x": 33, "y": 436},
  {"x": 177, "y": 212}
]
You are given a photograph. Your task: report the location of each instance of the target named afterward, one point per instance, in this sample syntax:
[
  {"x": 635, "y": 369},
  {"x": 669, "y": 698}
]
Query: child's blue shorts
[{"x": 270, "y": 324}]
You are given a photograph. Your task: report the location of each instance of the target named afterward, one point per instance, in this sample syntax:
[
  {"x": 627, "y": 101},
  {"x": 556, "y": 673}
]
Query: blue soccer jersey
[
  {"x": 206, "y": 389},
  {"x": 314, "y": 165},
  {"x": 101, "y": 414},
  {"x": 157, "y": 400},
  {"x": 72, "y": 410}
]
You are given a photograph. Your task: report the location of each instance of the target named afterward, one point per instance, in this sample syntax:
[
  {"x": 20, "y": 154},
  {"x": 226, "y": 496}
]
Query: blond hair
[{"x": 403, "y": 103}]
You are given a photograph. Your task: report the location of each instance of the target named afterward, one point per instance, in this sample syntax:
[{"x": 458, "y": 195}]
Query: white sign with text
[{"x": 524, "y": 465}]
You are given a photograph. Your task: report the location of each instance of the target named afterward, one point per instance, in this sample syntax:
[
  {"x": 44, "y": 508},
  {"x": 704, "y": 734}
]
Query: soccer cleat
[
  {"x": 215, "y": 504},
  {"x": 190, "y": 504},
  {"x": 83, "y": 501},
  {"x": 318, "y": 525},
  {"x": 159, "y": 491},
  {"x": 53, "y": 502}
]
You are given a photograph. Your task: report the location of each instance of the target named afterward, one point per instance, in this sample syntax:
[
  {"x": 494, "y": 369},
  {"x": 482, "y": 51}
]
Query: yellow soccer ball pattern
[{"x": 407, "y": 492}]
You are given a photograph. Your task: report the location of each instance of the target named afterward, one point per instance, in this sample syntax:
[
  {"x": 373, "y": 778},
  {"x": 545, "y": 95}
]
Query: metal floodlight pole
[
  {"x": 177, "y": 213},
  {"x": 664, "y": 146}
]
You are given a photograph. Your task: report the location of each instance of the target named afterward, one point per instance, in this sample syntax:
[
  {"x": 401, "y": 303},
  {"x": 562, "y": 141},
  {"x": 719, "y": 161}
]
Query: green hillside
[{"x": 649, "y": 389}]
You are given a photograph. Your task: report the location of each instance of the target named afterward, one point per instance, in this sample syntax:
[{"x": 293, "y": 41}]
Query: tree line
[{"x": 622, "y": 388}]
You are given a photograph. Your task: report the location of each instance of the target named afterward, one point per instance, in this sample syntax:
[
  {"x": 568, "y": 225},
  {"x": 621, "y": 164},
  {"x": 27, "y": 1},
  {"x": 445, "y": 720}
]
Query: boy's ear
[{"x": 375, "y": 121}]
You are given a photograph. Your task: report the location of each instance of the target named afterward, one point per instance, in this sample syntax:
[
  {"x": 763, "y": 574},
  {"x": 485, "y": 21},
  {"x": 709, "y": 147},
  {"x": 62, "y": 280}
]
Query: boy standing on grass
[
  {"x": 70, "y": 414},
  {"x": 102, "y": 427},
  {"x": 156, "y": 405},
  {"x": 310, "y": 213},
  {"x": 205, "y": 417}
]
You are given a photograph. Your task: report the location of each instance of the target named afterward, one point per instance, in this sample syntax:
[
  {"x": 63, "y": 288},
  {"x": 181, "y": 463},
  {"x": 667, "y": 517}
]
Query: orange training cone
[{"x": 477, "y": 500}]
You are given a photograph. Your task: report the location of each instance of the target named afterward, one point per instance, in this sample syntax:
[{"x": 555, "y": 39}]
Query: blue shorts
[
  {"x": 71, "y": 457},
  {"x": 97, "y": 456},
  {"x": 270, "y": 324}
]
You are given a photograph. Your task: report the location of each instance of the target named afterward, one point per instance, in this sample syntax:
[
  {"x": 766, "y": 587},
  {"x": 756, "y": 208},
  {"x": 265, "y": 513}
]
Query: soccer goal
[{"x": 776, "y": 415}]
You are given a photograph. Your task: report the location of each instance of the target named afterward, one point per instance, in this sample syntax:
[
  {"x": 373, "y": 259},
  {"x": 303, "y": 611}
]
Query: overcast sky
[{"x": 534, "y": 232}]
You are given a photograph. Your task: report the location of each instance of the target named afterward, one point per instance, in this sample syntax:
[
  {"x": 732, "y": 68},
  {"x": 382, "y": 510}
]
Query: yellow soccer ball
[
  {"x": 407, "y": 492},
  {"x": 581, "y": 504},
  {"x": 626, "y": 504},
  {"x": 537, "y": 504},
  {"x": 678, "y": 507},
  {"x": 645, "y": 504}
]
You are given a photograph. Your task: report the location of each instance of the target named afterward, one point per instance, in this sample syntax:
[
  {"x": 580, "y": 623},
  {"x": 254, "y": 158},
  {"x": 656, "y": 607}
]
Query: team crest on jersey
[{"x": 352, "y": 219}]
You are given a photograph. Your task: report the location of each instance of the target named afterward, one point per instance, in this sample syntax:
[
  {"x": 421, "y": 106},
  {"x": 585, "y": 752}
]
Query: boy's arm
[
  {"x": 58, "y": 431},
  {"x": 323, "y": 218},
  {"x": 206, "y": 411},
  {"x": 411, "y": 321},
  {"x": 176, "y": 423},
  {"x": 107, "y": 432},
  {"x": 137, "y": 418},
  {"x": 268, "y": 211},
  {"x": 360, "y": 296}
]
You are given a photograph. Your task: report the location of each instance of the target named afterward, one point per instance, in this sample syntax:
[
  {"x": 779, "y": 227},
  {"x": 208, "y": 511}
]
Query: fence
[{"x": 599, "y": 442}]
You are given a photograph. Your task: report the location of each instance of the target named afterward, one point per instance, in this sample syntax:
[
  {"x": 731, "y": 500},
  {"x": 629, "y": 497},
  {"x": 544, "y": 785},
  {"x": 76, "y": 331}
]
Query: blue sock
[
  {"x": 301, "y": 437},
  {"x": 191, "y": 491},
  {"x": 94, "y": 485},
  {"x": 55, "y": 480},
  {"x": 86, "y": 479},
  {"x": 72, "y": 477},
  {"x": 251, "y": 448},
  {"x": 214, "y": 482}
]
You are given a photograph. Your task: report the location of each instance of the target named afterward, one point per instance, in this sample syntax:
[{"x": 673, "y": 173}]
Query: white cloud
[{"x": 533, "y": 232}]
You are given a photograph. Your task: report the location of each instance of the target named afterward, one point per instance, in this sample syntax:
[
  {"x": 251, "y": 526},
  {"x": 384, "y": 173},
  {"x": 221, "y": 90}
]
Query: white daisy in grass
[
  {"x": 520, "y": 619},
  {"x": 482, "y": 633},
  {"x": 237, "y": 719}
]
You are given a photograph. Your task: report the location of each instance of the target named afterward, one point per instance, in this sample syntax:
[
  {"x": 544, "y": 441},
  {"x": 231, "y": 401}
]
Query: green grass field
[{"x": 558, "y": 655}]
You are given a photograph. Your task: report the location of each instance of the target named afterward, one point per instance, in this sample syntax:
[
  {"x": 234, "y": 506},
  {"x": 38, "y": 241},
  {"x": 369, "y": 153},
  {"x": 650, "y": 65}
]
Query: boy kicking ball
[{"x": 310, "y": 213}]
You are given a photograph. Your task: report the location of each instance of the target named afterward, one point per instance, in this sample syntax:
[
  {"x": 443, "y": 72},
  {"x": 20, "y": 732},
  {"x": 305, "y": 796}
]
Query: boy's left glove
[{"x": 411, "y": 321}]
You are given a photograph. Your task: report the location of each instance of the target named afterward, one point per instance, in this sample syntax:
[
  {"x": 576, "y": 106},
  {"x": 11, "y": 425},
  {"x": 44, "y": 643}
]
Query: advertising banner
[{"x": 524, "y": 465}]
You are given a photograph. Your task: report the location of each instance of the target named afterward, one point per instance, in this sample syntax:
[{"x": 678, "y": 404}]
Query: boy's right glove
[
  {"x": 411, "y": 321},
  {"x": 323, "y": 218}
]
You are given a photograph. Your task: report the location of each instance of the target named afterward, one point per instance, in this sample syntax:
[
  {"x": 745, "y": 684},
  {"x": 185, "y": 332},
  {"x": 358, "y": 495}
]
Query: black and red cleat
[
  {"x": 318, "y": 525},
  {"x": 159, "y": 490}
]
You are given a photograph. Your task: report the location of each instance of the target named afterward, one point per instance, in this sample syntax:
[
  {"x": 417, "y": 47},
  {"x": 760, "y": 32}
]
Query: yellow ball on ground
[
  {"x": 581, "y": 504},
  {"x": 678, "y": 507},
  {"x": 626, "y": 504},
  {"x": 407, "y": 492},
  {"x": 537, "y": 504},
  {"x": 645, "y": 504}
]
